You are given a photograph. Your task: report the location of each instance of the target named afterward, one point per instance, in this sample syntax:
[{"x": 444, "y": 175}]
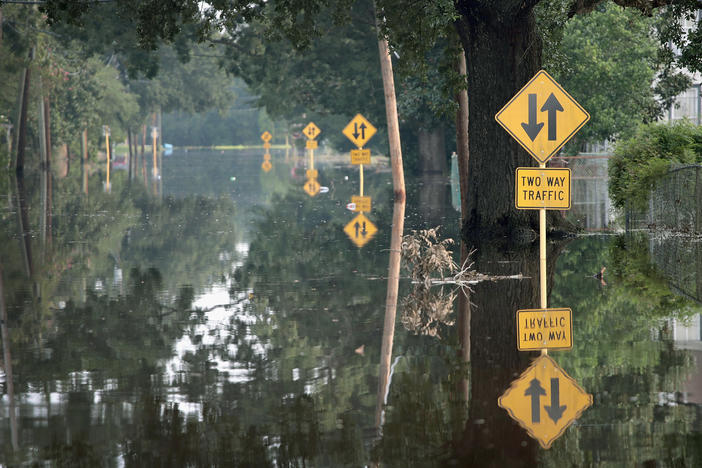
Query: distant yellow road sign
[
  {"x": 267, "y": 157},
  {"x": 266, "y": 166},
  {"x": 311, "y": 131},
  {"x": 360, "y": 230},
  {"x": 311, "y": 187},
  {"x": 545, "y": 400},
  {"x": 359, "y": 130},
  {"x": 544, "y": 329},
  {"x": 267, "y": 145},
  {"x": 311, "y": 144},
  {"x": 360, "y": 156},
  {"x": 266, "y": 136},
  {"x": 537, "y": 188},
  {"x": 542, "y": 116},
  {"x": 312, "y": 173},
  {"x": 361, "y": 203}
]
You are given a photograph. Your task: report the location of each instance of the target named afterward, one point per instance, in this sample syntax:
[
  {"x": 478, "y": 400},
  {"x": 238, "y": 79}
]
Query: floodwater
[{"x": 222, "y": 317}]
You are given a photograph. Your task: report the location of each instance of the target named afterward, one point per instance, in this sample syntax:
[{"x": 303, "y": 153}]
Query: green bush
[{"x": 646, "y": 157}]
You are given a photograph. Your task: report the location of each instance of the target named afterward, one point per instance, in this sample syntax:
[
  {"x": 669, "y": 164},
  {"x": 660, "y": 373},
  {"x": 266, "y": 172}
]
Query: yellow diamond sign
[
  {"x": 359, "y": 131},
  {"x": 311, "y": 187},
  {"x": 545, "y": 400},
  {"x": 542, "y": 117},
  {"x": 266, "y": 166},
  {"x": 311, "y": 131},
  {"x": 360, "y": 230},
  {"x": 266, "y": 136}
]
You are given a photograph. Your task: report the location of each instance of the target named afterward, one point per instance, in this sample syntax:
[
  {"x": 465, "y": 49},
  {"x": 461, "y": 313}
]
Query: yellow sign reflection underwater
[
  {"x": 360, "y": 229},
  {"x": 544, "y": 400},
  {"x": 311, "y": 186},
  {"x": 266, "y": 165}
]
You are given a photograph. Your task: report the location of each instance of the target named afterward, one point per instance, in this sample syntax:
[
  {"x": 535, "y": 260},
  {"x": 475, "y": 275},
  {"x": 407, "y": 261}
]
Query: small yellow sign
[
  {"x": 312, "y": 173},
  {"x": 544, "y": 329},
  {"x": 545, "y": 400},
  {"x": 311, "y": 187},
  {"x": 537, "y": 188},
  {"x": 266, "y": 145},
  {"x": 542, "y": 117},
  {"x": 311, "y": 144},
  {"x": 359, "y": 130},
  {"x": 266, "y": 166},
  {"x": 311, "y": 131},
  {"x": 266, "y": 136},
  {"x": 362, "y": 203},
  {"x": 267, "y": 157},
  {"x": 360, "y": 156},
  {"x": 360, "y": 230}
]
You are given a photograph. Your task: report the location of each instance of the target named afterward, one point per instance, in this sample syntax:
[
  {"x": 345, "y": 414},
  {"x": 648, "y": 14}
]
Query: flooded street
[{"x": 222, "y": 317}]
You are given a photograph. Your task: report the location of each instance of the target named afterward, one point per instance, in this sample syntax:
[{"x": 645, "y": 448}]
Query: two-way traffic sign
[
  {"x": 542, "y": 117},
  {"x": 359, "y": 130},
  {"x": 311, "y": 131},
  {"x": 545, "y": 400}
]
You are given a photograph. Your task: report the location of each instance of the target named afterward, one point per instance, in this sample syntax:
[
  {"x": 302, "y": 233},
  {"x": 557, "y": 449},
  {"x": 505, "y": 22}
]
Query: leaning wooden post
[{"x": 398, "y": 223}]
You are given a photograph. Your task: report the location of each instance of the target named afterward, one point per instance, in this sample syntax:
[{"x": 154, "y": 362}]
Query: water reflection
[{"x": 242, "y": 328}]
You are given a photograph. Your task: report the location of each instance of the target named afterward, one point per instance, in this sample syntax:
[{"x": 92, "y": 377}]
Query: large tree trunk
[{"x": 503, "y": 51}]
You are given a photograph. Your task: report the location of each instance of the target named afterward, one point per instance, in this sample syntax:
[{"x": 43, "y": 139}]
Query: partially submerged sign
[
  {"x": 542, "y": 117},
  {"x": 542, "y": 188},
  {"x": 266, "y": 136},
  {"x": 545, "y": 400},
  {"x": 544, "y": 329},
  {"x": 359, "y": 130}
]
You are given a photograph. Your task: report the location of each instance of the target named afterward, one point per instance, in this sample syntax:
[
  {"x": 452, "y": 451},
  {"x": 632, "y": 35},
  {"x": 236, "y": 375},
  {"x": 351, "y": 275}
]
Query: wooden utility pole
[{"x": 398, "y": 224}]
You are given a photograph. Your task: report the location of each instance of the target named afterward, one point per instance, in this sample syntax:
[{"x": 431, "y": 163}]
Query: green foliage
[
  {"x": 644, "y": 158},
  {"x": 610, "y": 57}
]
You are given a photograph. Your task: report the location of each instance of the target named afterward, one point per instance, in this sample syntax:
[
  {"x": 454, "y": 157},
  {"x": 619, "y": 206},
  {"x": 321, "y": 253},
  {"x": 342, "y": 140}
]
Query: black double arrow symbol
[
  {"x": 533, "y": 128},
  {"x": 536, "y": 391},
  {"x": 363, "y": 131},
  {"x": 358, "y": 226}
]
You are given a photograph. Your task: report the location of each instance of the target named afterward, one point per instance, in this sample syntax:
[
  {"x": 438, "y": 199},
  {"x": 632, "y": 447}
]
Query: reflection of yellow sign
[
  {"x": 311, "y": 144},
  {"x": 266, "y": 166},
  {"x": 266, "y": 136},
  {"x": 542, "y": 117},
  {"x": 362, "y": 203},
  {"x": 267, "y": 157},
  {"x": 312, "y": 173},
  {"x": 537, "y": 188},
  {"x": 545, "y": 400},
  {"x": 311, "y": 187},
  {"x": 359, "y": 130},
  {"x": 311, "y": 131},
  {"x": 267, "y": 145},
  {"x": 360, "y": 230},
  {"x": 360, "y": 156},
  {"x": 544, "y": 328}
]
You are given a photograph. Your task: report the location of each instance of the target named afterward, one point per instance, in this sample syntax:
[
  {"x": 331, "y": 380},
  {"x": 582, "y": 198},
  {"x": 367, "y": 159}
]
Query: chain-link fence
[
  {"x": 675, "y": 203},
  {"x": 680, "y": 260}
]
